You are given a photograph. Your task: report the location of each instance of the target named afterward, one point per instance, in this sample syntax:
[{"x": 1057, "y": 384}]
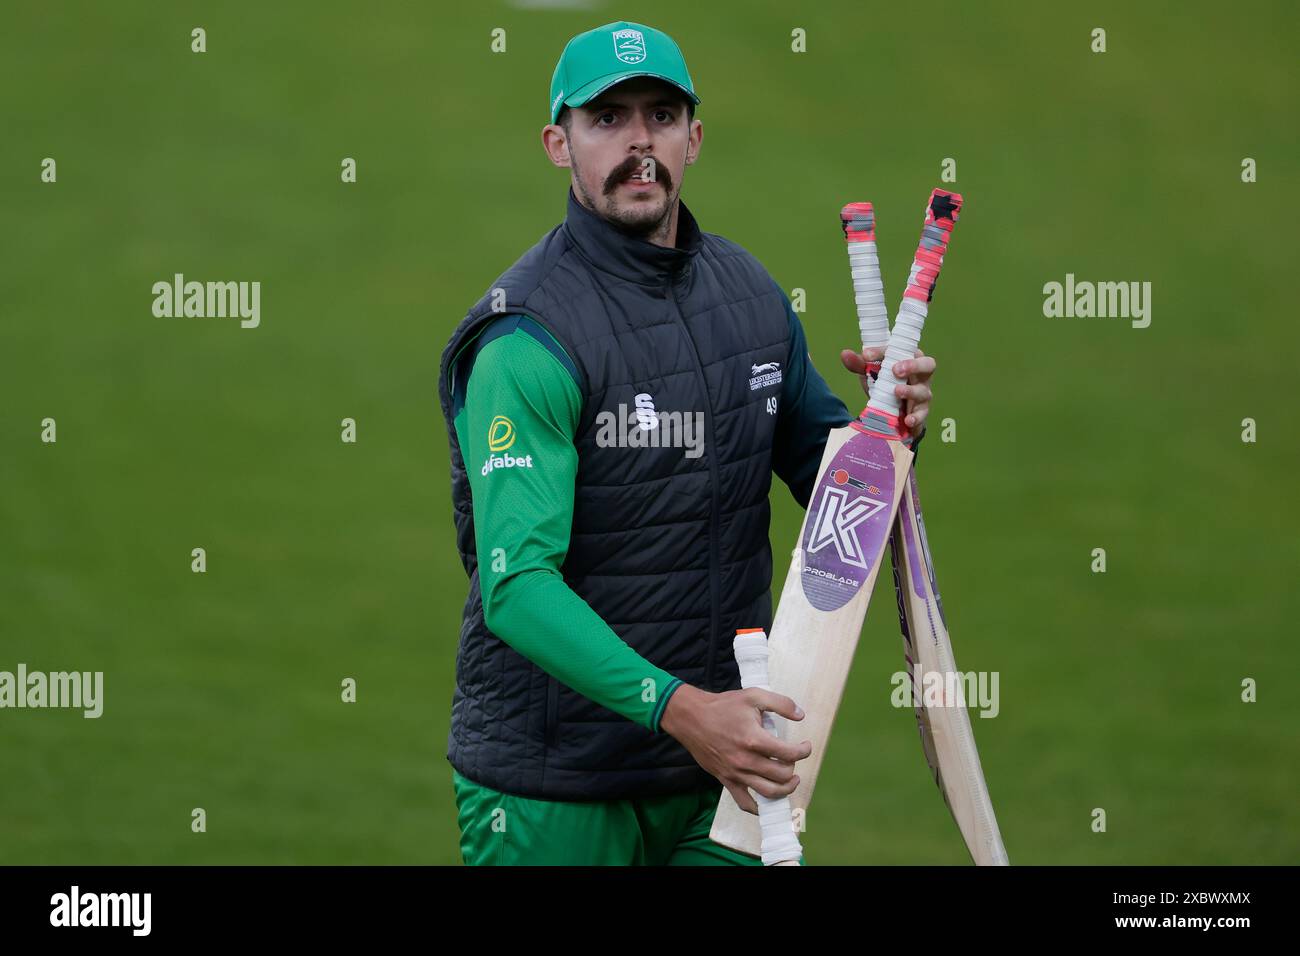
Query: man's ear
[
  {"x": 556, "y": 144},
  {"x": 691, "y": 158}
]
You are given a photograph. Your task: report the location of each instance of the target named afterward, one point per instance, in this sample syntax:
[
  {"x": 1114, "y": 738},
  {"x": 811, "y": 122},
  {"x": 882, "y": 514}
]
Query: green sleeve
[{"x": 516, "y": 433}]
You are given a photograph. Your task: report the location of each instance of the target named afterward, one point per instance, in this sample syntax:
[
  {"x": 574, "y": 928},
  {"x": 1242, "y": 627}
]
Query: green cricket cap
[{"x": 594, "y": 61}]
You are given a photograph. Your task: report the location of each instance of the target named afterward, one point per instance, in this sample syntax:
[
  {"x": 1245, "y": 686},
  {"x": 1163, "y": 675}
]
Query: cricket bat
[
  {"x": 841, "y": 544},
  {"x": 946, "y": 736}
]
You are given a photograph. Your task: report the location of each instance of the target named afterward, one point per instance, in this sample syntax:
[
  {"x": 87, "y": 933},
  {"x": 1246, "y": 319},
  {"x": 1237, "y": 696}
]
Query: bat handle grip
[
  {"x": 779, "y": 843},
  {"x": 858, "y": 220},
  {"x": 940, "y": 216}
]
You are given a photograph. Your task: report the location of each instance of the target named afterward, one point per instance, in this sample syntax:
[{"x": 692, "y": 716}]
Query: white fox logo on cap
[{"x": 629, "y": 45}]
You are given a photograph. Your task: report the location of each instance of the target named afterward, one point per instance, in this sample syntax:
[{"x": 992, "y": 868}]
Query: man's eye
[{"x": 602, "y": 116}]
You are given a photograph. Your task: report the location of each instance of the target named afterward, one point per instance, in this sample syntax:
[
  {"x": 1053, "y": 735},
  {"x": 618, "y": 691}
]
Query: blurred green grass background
[{"x": 326, "y": 561}]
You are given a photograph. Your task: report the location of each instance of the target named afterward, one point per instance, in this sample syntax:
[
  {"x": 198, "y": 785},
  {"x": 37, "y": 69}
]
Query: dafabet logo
[{"x": 501, "y": 435}]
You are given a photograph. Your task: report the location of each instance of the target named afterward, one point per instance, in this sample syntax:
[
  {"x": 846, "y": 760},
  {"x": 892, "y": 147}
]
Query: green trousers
[{"x": 504, "y": 830}]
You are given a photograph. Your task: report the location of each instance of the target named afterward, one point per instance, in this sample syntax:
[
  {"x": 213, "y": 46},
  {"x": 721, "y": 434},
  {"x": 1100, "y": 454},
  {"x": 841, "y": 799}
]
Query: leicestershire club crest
[{"x": 629, "y": 45}]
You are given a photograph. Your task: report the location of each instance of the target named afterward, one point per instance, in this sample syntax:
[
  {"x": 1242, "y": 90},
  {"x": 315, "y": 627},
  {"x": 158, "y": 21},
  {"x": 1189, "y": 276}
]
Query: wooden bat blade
[
  {"x": 946, "y": 734},
  {"x": 824, "y": 601}
]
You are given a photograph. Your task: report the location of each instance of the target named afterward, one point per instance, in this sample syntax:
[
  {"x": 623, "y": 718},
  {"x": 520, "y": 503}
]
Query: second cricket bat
[
  {"x": 944, "y": 724},
  {"x": 850, "y": 516},
  {"x": 946, "y": 735}
]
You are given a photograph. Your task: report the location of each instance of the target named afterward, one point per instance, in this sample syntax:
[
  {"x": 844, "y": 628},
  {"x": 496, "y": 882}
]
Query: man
[{"x": 616, "y": 404}]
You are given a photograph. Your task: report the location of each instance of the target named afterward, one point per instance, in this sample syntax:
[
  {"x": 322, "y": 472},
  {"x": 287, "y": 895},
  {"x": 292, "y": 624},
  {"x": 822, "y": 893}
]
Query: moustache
[{"x": 634, "y": 169}]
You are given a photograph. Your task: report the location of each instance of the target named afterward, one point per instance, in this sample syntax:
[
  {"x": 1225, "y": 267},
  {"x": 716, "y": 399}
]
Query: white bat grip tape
[
  {"x": 869, "y": 294},
  {"x": 779, "y": 843},
  {"x": 902, "y": 345}
]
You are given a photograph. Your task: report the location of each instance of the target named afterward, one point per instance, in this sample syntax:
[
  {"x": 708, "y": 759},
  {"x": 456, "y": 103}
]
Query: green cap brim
[{"x": 585, "y": 94}]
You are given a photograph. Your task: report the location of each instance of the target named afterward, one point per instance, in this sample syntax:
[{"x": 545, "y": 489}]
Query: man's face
[{"x": 628, "y": 149}]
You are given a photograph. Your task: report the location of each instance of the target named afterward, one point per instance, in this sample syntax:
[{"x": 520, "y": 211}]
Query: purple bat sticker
[{"x": 848, "y": 522}]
